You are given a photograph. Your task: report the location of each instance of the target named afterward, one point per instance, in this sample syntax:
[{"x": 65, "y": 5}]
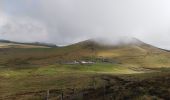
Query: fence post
[
  {"x": 62, "y": 95},
  {"x": 48, "y": 94},
  {"x": 73, "y": 90},
  {"x": 94, "y": 83},
  {"x": 104, "y": 90}
]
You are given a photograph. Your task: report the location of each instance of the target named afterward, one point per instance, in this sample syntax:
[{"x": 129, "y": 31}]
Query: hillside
[
  {"x": 133, "y": 53},
  {"x": 13, "y": 44},
  {"x": 125, "y": 70}
]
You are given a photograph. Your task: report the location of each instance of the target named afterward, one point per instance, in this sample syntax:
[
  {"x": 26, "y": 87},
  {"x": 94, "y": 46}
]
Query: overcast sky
[{"x": 67, "y": 21}]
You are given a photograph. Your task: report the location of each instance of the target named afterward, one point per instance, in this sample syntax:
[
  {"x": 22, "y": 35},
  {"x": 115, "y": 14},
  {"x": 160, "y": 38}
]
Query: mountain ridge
[{"x": 27, "y": 43}]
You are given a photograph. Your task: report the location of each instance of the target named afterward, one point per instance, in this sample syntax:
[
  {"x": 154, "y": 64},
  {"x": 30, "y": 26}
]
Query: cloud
[
  {"x": 23, "y": 29},
  {"x": 67, "y": 21},
  {"x": 3, "y": 20}
]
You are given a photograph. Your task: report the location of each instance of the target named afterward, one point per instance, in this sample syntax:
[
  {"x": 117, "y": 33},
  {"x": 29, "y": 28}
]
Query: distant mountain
[
  {"x": 5, "y": 41},
  {"x": 8, "y": 43},
  {"x": 131, "y": 52}
]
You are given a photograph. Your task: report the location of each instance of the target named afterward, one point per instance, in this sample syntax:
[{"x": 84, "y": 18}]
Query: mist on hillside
[
  {"x": 114, "y": 41},
  {"x": 64, "y": 22}
]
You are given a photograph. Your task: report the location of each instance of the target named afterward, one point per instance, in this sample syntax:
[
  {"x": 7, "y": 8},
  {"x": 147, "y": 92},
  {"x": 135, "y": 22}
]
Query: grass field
[
  {"x": 16, "y": 81},
  {"x": 128, "y": 73},
  {"x": 17, "y": 78}
]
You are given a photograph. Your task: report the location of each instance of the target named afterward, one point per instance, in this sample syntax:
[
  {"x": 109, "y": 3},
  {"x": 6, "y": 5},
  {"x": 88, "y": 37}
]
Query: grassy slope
[
  {"x": 142, "y": 56},
  {"x": 15, "y": 45},
  {"x": 133, "y": 55},
  {"x": 35, "y": 69},
  {"x": 139, "y": 55},
  {"x": 17, "y": 84}
]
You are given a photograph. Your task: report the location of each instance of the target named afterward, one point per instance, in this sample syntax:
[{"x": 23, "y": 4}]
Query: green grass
[
  {"x": 53, "y": 76},
  {"x": 17, "y": 80},
  {"x": 34, "y": 69},
  {"x": 60, "y": 68}
]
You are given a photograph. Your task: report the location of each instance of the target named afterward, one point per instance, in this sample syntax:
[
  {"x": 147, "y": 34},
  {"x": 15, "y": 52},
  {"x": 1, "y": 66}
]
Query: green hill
[
  {"x": 134, "y": 54},
  {"x": 130, "y": 69}
]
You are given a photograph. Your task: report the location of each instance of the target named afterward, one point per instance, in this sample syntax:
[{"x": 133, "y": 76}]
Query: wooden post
[
  {"x": 62, "y": 95},
  {"x": 94, "y": 83},
  {"x": 104, "y": 91},
  {"x": 73, "y": 90},
  {"x": 111, "y": 98},
  {"x": 48, "y": 94}
]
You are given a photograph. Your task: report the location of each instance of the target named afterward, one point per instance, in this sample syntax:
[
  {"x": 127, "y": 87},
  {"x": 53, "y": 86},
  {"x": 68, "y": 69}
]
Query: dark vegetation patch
[{"x": 115, "y": 87}]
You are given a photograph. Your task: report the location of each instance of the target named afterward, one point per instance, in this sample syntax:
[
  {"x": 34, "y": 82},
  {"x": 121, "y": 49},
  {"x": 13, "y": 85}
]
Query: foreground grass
[{"x": 17, "y": 80}]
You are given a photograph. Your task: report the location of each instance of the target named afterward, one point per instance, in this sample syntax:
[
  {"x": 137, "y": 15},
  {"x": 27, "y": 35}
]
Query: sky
[{"x": 68, "y": 21}]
